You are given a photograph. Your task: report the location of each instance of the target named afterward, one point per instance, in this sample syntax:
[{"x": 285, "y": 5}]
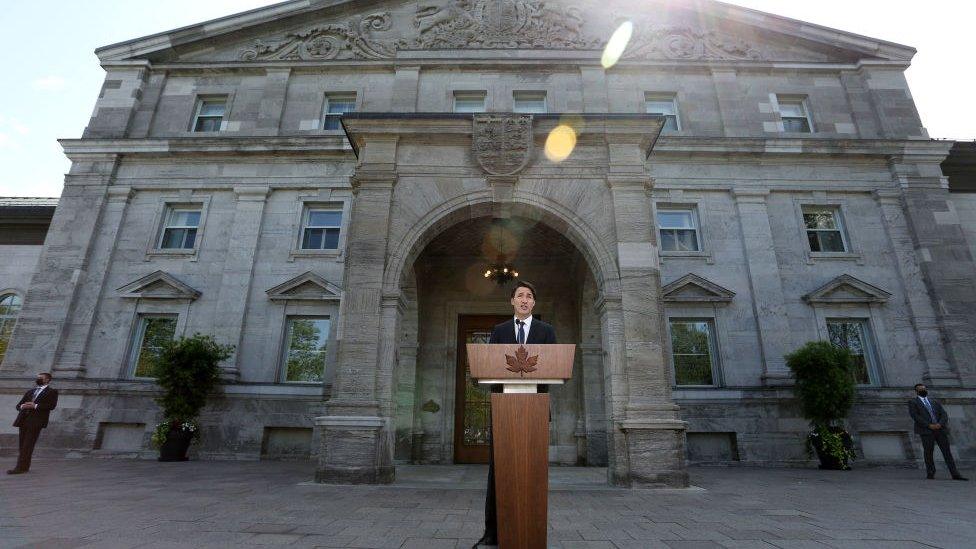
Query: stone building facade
[{"x": 740, "y": 184}]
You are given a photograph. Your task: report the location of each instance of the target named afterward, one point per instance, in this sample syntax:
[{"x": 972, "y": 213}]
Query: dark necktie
[{"x": 521, "y": 331}]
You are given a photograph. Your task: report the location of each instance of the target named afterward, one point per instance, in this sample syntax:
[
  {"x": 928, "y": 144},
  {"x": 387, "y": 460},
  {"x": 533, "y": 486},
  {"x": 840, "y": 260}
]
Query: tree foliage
[
  {"x": 187, "y": 371},
  {"x": 825, "y": 384}
]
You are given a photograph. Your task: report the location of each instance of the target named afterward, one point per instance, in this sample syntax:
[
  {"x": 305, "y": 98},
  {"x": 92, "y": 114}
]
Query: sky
[{"x": 51, "y": 76}]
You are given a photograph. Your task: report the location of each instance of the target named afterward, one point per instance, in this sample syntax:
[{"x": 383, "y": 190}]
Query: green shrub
[
  {"x": 187, "y": 371},
  {"x": 825, "y": 383}
]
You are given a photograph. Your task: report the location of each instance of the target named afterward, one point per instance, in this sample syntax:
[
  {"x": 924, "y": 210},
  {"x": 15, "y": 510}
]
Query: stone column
[
  {"x": 405, "y": 89},
  {"x": 942, "y": 251},
  {"x": 119, "y": 99},
  {"x": 652, "y": 433},
  {"x": 766, "y": 285},
  {"x": 238, "y": 271},
  {"x": 356, "y": 436},
  {"x": 938, "y": 371},
  {"x": 38, "y": 337}
]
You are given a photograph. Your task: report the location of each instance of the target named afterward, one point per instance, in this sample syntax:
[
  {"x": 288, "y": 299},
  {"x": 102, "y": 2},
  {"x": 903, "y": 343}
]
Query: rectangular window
[
  {"x": 469, "y": 101},
  {"x": 692, "y": 351},
  {"x": 795, "y": 115},
  {"x": 321, "y": 226},
  {"x": 305, "y": 348},
  {"x": 335, "y": 105},
  {"x": 825, "y": 232},
  {"x": 210, "y": 114},
  {"x": 180, "y": 228},
  {"x": 151, "y": 333},
  {"x": 679, "y": 230},
  {"x": 855, "y": 336},
  {"x": 666, "y": 105},
  {"x": 529, "y": 102}
]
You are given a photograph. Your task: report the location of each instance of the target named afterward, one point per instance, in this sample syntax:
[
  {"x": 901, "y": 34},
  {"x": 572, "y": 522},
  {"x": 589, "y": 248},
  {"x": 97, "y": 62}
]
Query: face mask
[
  {"x": 39, "y": 382},
  {"x": 923, "y": 393}
]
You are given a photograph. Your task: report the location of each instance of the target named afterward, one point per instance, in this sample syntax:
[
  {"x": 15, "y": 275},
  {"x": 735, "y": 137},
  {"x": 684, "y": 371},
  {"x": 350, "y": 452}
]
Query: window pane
[
  {"x": 324, "y": 218},
  {"x": 814, "y": 240},
  {"x": 788, "y": 108},
  {"x": 190, "y": 239},
  {"x": 331, "y": 239},
  {"x": 660, "y": 106},
  {"x": 339, "y": 105},
  {"x": 307, "y": 343},
  {"x": 687, "y": 241},
  {"x": 819, "y": 219},
  {"x": 332, "y": 123},
  {"x": 208, "y": 124},
  {"x": 530, "y": 102},
  {"x": 312, "y": 240},
  {"x": 852, "y": 336},
  {"x": 469, "y": 102},
  {"x": 692, "y": 370},
  {"x": 689, "y": 337},
  {"x": 156, "y": 331},
  {"x": 676, "y": 219},
  {"x": 831, "y": 241},
  {"x": 213, "y": 108},
  {"x": 670, "y": 124},
  {"x": 184, "y": 218},
  {"x": 173, "y": 239},
  {"x": 669, "y": 242},
  {"x": 796, "y": 125}
]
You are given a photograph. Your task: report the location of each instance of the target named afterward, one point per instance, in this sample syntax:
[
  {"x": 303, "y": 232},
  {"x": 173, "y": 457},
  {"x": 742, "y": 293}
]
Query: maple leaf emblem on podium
[{"x": 521, "y": 363}]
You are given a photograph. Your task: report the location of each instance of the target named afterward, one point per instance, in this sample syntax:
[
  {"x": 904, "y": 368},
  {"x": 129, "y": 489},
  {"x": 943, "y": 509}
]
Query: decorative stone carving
[
  {"x": 328, "y": 42},
  {"x": 680, "y": 42},
  {"x": 499, "y": 24},
  {"x": 502, "y": 143},
  {"x": 847, "y": 289}
]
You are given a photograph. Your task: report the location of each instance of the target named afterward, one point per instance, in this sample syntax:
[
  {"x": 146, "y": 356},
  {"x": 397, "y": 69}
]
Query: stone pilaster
[
  {"x": 406, "y": 83},
  {"x": 357, "y": 433},
  {"x": 652, "y": 434},
  {"x": 594, "y": 80},
  {"x": 942, "y": 251},
  {"x": 272, "y": 101},
  {"x": 237, "y": 274},
  {"x": 39, "y": 334},
  {"x": 938, "y": 371},
  {"x": 70, "y": 361},
  {"x": 766, "y": 285},
  {"x": 119, "y": 99}
]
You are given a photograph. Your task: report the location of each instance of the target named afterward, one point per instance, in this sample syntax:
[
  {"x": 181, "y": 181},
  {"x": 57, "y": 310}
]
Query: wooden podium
[{"x": 520, "y": 433}]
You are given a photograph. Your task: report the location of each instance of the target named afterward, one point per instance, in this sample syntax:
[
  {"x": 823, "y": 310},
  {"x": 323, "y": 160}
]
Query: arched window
[{"x": 9, "y": 309}]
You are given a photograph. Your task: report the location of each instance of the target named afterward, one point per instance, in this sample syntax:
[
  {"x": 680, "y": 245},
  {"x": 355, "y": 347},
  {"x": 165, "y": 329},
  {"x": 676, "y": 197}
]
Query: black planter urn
[
  {"x": 176, "y": 446},
  {"x": 828, "y": 461}
]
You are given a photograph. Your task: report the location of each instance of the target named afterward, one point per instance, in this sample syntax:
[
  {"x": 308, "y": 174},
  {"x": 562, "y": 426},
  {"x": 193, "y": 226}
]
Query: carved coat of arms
[{"x": 502, "y": 143}]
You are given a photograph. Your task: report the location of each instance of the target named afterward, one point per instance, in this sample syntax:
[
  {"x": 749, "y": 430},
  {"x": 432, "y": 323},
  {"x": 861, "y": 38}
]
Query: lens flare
[
  {"x": 560, "y": 143},
  {"x": 617, "y": 44}
]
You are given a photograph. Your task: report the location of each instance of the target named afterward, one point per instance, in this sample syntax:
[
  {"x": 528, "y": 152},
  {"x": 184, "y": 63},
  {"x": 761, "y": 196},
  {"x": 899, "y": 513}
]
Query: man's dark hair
[
  {"x": 524, "y": 284},
  {"x": 46, "y": 375},
  {"x": 917, "y": 385}
]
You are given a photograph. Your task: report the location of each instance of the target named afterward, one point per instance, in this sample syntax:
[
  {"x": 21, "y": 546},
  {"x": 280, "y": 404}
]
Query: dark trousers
[
  {"x": 29, "y": 434},
  {"x": 928, "y": 444},
  {"x": 491, "y": 511}
]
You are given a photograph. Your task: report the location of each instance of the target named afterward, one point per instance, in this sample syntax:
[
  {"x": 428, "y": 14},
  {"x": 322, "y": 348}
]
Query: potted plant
[
  {"x": 187, "y": 371},
  {"x": 825, "y": 389}
]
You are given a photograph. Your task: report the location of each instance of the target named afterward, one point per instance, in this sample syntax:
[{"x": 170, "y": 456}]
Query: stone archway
[{"x": 414, "y": 180}]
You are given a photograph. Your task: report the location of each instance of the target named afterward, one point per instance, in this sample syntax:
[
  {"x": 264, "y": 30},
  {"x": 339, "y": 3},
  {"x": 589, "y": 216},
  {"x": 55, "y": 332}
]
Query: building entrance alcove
[{"x": 446, "y": 419}]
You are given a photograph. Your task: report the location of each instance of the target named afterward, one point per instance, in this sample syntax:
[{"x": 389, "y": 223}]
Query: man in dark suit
[
  {"x": 32, "y": 414},
  {"x": 522, "y": 328},
  {"x": 932, "y": 424}
]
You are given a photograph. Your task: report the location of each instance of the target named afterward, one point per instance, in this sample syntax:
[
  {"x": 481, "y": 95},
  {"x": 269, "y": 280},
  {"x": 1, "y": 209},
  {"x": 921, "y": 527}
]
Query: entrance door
[{"x": 472, "y": 404}]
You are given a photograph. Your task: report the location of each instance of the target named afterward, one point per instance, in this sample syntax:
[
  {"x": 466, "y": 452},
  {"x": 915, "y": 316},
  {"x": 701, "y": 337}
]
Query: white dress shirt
[{"x": 528, "y": 325}]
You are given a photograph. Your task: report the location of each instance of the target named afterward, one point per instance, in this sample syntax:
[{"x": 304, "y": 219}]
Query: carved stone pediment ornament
[
  {"x": 681, "y": 42},
  {"x": 328, "y": 41},
  {"x": 493, "y": 24},
  {"x": 502, "y": 143}
]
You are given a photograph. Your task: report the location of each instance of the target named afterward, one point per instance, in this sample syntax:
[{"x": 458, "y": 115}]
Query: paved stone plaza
[{"x": 114, "y": 503}]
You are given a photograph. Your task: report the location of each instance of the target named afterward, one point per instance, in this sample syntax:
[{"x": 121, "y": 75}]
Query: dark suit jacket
[
  {"x": 920, "y": 415},
  {"x": 539, "y": 333},
  {"x": 46, "y": 401}
]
